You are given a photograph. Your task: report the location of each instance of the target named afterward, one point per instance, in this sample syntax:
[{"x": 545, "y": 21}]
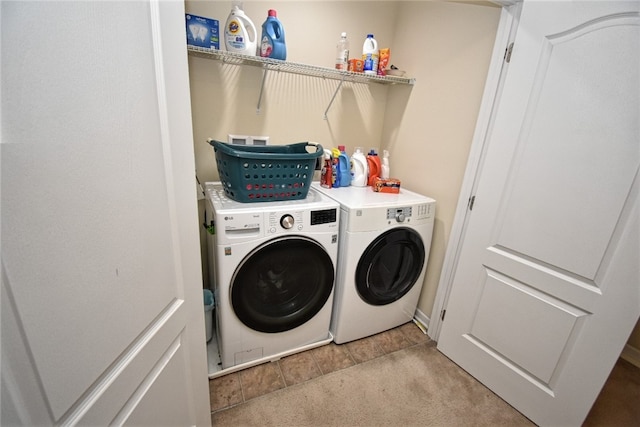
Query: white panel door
[
  {"x": 547, "y": 287},
  {"x": 102, "y": 309}
]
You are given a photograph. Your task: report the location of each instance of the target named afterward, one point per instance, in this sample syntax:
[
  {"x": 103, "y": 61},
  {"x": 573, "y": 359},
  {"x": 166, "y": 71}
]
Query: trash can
[{"x": 208, "y": 313}]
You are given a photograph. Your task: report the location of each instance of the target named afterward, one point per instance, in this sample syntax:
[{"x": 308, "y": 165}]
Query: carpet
[{"x": 414, "y": 386}]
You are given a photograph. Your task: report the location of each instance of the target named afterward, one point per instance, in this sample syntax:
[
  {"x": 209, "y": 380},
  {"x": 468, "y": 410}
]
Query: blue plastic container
[
  {"x": 208, "y": 313},
  {"x": 272, "y": 43},
  {"x": 344, "y": 167}
]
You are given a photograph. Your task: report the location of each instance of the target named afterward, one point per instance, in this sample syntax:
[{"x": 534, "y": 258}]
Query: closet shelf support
[
  {"x": 264, "y": 78},
  {"x": 333, "y": 98}
]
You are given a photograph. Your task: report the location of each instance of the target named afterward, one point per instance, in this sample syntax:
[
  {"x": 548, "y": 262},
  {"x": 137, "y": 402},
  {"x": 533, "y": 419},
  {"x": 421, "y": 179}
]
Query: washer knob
[
  {"x": 287, "y": 221},
  {"x": 400, "y": 217}
]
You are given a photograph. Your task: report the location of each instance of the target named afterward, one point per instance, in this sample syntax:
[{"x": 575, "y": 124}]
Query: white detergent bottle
[
  {"x": 370, "y": 55},
  {"x": 240, "y": 35},
  {"x": 385, "y": 165},
  {"x": 359, "y": 168}
]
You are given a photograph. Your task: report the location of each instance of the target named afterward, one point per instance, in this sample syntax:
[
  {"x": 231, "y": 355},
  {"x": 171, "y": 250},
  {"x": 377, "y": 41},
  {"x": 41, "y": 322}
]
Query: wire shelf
[{"x": 294, "y": 68}]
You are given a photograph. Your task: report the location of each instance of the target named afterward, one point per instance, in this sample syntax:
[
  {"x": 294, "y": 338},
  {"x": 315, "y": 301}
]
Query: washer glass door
[
  {"x": 282, "y": 284},
  {"x": 390, "y": 266}
]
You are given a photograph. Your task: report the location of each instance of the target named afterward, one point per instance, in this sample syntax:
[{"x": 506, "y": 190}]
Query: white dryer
[
  {"x": 384, "y": 246},
  {"x": 274, "y": 266}
]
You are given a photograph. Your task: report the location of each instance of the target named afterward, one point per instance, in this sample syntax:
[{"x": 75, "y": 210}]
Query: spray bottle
[
  {"x": 385, "y": 165},
  {"x": 326, "y": 175}
]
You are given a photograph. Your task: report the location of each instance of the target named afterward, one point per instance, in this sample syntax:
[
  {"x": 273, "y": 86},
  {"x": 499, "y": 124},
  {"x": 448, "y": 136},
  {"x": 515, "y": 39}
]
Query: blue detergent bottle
[
  {"x": 344, "y": 167},
  {"x": 335, "y": 156},
  {"x": 272, "y": 44}
]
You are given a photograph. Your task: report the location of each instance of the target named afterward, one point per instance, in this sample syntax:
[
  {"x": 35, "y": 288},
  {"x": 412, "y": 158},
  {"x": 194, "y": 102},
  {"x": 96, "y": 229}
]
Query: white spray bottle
[{"x": 385, "y": 165}]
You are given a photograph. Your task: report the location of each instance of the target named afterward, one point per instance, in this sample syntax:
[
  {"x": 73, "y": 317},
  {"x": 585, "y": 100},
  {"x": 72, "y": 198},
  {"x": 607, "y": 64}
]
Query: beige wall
[
  {"x": 429, "y": 140},
  {"x": 427, "y": 127},
  {"x": 224, "y": 97}
]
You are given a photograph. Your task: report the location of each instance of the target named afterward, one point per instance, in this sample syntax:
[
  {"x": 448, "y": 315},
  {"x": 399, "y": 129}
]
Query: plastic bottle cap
[
  {"x": 343, "y": 35},
  {"x": 272, "y": 12},
  {"x": 369, "y": 35}
]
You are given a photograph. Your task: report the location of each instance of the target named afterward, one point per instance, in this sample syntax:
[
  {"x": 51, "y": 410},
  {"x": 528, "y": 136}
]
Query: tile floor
[{"x": 239, "y": 387}]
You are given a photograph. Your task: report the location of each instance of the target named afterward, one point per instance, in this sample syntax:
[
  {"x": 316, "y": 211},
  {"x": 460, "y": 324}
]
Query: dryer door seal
[
  {"x": 390, "y": 266},
  {"x": 282, "y": 284}
]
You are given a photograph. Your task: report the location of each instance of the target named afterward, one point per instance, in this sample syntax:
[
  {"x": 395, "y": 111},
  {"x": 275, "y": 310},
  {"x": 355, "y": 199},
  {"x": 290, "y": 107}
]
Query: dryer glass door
[
  {"x": 282, "y": 284},
  {"x": 390, "y": 266}
]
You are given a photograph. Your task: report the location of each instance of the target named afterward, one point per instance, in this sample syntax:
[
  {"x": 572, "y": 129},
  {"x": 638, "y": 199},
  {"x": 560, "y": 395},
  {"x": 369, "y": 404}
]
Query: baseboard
[
  {"x": 631, "y": 355},
  {"x": 422, "y": 318}
]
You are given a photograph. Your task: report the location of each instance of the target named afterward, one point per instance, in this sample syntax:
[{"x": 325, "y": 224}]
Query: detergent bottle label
[
  {"x": 266, "y": 47},
  {"x": 235, "y": 36}
]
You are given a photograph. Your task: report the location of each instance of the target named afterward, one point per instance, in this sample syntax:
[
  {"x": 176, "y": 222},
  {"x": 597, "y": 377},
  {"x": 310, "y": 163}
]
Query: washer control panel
[
  {"x": 278, "y": 221},
  {"x": 284, "y": 221}
]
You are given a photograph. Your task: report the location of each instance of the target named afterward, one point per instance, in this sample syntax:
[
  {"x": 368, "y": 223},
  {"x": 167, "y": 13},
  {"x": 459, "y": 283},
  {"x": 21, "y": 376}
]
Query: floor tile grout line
[
  {"x": 224, "y": 408},
  {"x": 241, "y": 387},
  {"x": 284, "y": 380},
  {"x": 379, "y": 347},
  {"x": 350, "y": 355},
  {"x": 313, "y": 356}
]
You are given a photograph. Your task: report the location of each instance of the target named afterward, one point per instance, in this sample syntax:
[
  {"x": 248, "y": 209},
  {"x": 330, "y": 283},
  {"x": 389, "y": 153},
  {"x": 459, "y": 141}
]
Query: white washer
[
  {"x": 274, "y": 266},
  {"x": 384, "y": 247}
]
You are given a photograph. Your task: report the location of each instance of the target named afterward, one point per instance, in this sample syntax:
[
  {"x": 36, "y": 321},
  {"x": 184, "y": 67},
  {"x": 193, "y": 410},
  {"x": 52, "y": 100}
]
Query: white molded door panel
[
  {"x": 102, "y": 310},
  {"x": 546, "y": 290}
]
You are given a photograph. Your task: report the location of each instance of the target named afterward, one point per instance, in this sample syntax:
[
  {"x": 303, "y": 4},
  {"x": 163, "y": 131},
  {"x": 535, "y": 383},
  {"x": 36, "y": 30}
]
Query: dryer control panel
[
  {"x": 402, "y": 213},
  {"x": 399, "y": 214}
]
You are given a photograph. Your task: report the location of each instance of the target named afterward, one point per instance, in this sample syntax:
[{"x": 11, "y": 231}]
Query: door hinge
[
  {"x": 472, "y": 200},
  {"x": 507, "y": 53},
  {"x": 442, "y": 313}
]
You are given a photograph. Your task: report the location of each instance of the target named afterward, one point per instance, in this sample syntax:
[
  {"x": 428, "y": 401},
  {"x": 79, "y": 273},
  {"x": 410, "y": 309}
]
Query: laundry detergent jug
[
  {"x": 272, "y": 43},
  {"x": 240, "y": 35},
  {"x": 373, "y": 161},
  {"x": 344, "y": 167},
  {"x": 359, "y": 168}
]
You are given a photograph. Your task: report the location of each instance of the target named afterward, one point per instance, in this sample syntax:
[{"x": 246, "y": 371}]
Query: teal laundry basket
[{"x": 270, "y": 173}]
